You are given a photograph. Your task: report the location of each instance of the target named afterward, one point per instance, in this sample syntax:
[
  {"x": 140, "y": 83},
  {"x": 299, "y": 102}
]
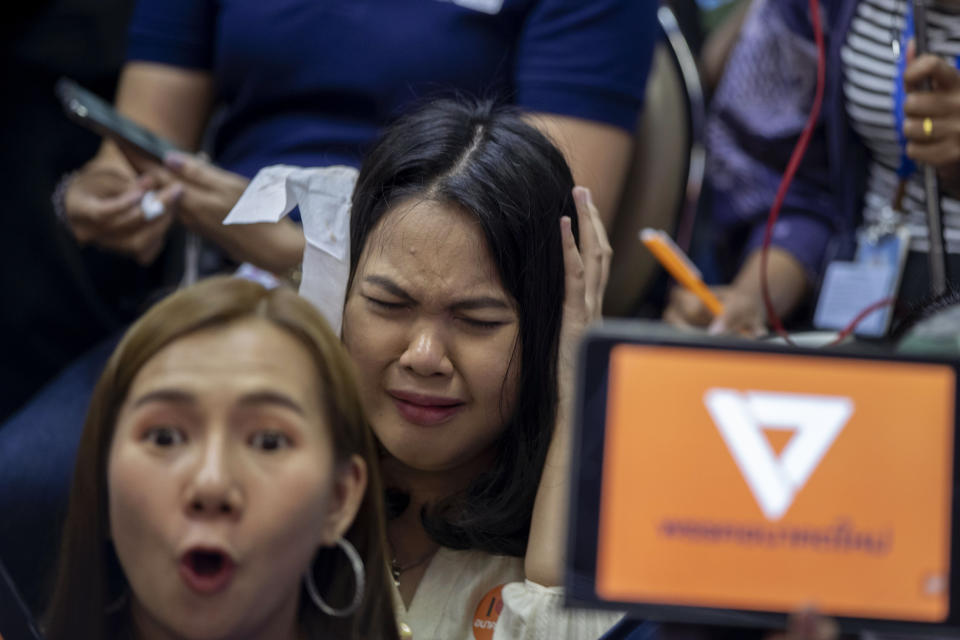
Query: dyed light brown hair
[{"x": 89, "y": 578}]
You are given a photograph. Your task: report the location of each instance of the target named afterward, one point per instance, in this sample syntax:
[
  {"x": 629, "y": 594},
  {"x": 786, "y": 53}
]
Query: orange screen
[{"x": 767, "y": 482}]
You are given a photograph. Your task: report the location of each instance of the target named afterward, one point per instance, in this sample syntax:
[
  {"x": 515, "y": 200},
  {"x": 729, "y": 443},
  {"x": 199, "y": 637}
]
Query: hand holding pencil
[
  {"x": 720, "y": 310},
  {"x": 678, "y": 265}
]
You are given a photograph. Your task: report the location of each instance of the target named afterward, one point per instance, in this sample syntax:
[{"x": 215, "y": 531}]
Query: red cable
[{"x": 794, "y": 163}]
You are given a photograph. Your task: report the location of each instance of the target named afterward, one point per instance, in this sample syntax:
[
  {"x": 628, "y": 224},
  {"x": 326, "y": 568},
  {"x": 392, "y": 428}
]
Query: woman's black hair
[{"x": 488, "y": 161}]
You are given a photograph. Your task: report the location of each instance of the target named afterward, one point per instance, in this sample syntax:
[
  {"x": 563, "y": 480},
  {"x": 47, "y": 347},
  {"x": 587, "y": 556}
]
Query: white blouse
[{"x": 446, "y": 603}]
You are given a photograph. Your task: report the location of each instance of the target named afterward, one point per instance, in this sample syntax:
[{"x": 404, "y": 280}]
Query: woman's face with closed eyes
[
  {"x": 434, "y": 336},
  {"x": 223, "y": 483}
]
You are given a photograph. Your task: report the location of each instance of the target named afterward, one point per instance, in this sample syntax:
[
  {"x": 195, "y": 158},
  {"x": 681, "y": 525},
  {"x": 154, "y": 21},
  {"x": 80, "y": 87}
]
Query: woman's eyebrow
[
  {"x": 480, "y": 302},
  {"x": 464, "y": 304},
  {"x": 390, "y": 286},
  {"x": 255, "y": 398},
  {"x": 258, "y": 398},
  {"x": 173, "y": 396}
]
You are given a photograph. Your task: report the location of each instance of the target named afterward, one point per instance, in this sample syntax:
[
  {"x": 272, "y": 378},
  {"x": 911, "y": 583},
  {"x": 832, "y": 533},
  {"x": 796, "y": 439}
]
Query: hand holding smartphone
[
  {"x": 90, "y": 111},
  {"x": 107, "y": 206}
]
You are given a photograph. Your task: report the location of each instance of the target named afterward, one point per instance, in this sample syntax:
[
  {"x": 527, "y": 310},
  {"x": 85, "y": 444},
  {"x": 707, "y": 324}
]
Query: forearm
[
  {"x": 786, "y": 278},
  {"x": 544, "y": 561},
  {"x": 172, "y": 102},
  {"x": 276, "y": 247}
]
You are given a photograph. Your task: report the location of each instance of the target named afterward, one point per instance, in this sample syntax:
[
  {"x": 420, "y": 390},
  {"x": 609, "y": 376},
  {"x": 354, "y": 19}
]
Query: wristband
[{"x": 59, "y": 196}]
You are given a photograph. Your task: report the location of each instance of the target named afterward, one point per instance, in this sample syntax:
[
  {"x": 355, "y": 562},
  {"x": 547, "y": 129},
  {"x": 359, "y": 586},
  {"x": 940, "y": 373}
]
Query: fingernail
[
  {"x": 174, "y": 160},
  {"x": 581, "y": 195},
  {"x": 176, "y": 192},
  {"x": 717, "y": 327}
]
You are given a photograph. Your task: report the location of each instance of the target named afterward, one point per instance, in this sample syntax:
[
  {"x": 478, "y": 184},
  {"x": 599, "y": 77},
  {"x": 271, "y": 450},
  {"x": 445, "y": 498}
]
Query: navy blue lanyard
[{"x": 907, "y": 166}]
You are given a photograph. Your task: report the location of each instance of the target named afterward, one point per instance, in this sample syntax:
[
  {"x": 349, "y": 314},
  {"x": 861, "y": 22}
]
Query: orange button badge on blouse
[
  {"x": 764, "y": 482},
  {"x": 678, "y": 265},
  {"x": 487, "y": 613}
]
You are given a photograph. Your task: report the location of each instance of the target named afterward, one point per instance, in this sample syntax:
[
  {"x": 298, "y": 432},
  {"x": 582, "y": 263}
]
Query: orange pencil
[{"x": 666, "y": 251}]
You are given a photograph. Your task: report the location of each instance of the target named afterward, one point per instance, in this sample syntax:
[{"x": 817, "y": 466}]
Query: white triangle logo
[{"x": 741, "y": 416}]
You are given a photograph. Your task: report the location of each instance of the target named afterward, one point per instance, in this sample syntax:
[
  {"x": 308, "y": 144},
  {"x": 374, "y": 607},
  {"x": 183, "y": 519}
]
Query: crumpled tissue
[{"x": 323, "y": 195}]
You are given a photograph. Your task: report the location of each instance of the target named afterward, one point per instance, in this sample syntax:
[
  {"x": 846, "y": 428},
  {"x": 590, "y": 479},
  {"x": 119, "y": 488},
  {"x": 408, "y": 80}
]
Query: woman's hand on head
[
  {"x": 102, "y": 206},
  {"x": 932, "y": 116},
  {"x": 585, "y": 277}
]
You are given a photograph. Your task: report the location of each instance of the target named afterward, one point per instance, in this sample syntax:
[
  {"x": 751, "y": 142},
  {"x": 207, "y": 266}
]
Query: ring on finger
[
  {"x": 927, "y": 127},
  {"x": 151, "y": 205}
]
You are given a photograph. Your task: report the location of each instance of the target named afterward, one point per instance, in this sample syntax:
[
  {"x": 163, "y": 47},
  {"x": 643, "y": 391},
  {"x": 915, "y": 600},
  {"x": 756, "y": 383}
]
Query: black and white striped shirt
[{"x": 869, "y": 73}]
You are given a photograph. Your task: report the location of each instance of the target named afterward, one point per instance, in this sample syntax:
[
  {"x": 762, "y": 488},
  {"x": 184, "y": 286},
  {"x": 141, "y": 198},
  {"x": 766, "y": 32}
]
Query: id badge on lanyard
[{"x": 850, "y": 287}]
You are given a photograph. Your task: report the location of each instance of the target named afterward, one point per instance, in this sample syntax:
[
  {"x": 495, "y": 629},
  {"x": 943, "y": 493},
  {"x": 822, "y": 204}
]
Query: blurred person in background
[
  {"x": 47, "y": 278},
  {"x": 311, "y": 84},
  {"x": 876, "y": 123},
  {"x": 60, "y": 300}
]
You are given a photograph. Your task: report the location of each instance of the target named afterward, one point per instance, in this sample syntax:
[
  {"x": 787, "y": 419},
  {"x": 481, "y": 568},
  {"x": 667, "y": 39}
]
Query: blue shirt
[{"x": 311, "y": 82}]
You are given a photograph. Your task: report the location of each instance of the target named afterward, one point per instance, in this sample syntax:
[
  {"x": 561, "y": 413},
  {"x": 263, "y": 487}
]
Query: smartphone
[
  {"x": 97, "y": 115},
  {"x": 733, "y": 483}
]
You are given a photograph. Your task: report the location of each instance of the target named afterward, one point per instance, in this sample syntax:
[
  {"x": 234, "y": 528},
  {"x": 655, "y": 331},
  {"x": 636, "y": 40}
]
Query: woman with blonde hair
[{"x": 226, "y": 484}]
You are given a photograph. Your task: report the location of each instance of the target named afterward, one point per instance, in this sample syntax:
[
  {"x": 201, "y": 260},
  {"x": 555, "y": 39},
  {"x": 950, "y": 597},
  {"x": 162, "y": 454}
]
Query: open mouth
[{"x": 206, "y": 571}]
